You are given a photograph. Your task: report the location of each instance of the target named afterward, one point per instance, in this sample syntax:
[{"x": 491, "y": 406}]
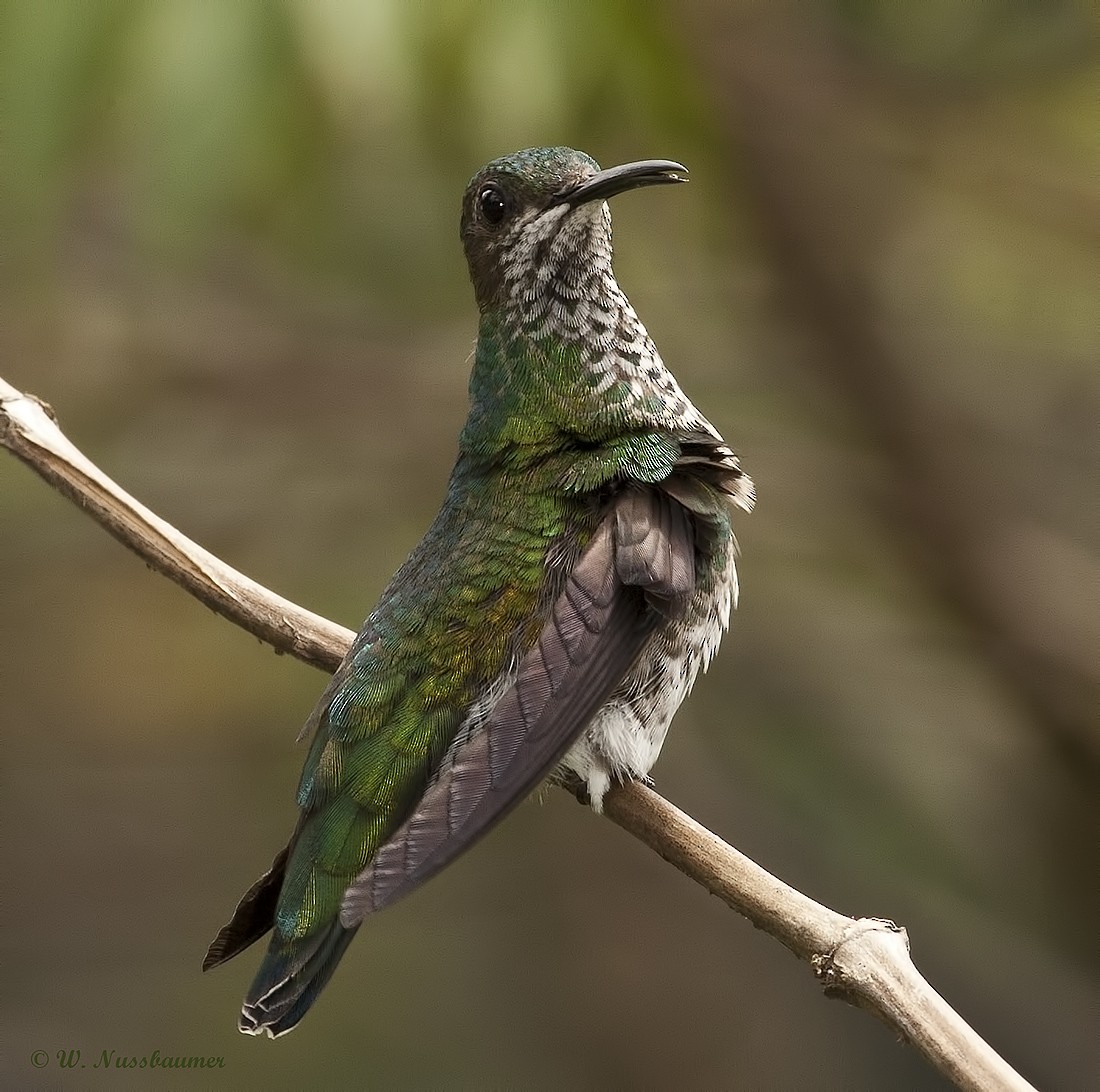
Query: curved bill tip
[{"x": 605, "y": 184}]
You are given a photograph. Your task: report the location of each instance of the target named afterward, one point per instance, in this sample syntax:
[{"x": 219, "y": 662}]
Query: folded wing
[{"x": 638, "y": 566}]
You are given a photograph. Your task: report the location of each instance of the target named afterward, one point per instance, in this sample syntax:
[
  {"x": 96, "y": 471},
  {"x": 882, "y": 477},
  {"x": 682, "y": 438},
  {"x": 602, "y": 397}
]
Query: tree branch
[{"x": 864, "y": 961}]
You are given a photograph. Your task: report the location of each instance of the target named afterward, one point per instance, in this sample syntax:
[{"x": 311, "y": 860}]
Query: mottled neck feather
[{"x": 562, "y": 356}]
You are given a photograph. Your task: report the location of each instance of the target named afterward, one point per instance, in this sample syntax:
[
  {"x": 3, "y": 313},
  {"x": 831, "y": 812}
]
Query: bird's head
[{"x": 536, "y": 222}]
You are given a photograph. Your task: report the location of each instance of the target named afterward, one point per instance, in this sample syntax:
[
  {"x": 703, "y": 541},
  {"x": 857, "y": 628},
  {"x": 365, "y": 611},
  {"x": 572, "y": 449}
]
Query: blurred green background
[{"x": 231, "y": 264}]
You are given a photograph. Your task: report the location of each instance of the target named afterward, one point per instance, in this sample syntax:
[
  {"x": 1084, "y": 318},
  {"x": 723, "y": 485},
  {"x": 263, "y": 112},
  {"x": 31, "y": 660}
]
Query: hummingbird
[{"x": 577, "y": 577}]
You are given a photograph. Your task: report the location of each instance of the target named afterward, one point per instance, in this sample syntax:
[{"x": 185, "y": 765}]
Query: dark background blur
[{"x": 231, "y": 264}]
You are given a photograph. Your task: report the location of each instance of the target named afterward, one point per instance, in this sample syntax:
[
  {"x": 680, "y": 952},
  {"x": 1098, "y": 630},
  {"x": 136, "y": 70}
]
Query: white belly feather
[{"x": 625, "y": 737}]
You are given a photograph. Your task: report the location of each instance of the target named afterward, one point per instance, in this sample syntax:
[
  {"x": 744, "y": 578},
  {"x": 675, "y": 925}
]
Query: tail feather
[
  {"x": 291, "y": 976},
  {"x": 254, "y": 916}
]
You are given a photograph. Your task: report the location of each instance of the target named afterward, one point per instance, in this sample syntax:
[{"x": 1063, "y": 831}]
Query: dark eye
[{"x": 492, "y": 205}]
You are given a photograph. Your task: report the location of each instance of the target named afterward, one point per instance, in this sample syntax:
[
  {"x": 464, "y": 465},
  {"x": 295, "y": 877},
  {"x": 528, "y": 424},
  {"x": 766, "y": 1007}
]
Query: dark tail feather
[
  {"x": 291, "y": 976},
  {"x": 254, "y": 916}
]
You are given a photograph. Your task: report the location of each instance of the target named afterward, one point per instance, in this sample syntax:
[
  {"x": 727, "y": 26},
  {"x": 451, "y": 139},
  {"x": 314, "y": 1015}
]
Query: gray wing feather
[
  {"x": 640, "y": 558},
  {"x": 654, "y": 544}
]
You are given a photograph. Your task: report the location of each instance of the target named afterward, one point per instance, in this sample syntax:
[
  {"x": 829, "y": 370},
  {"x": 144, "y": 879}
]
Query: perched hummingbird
[{"x": 554, "y": 616}]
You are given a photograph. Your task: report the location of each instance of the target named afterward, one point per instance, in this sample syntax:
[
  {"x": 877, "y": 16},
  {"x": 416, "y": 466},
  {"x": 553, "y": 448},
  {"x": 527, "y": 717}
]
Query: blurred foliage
[
  {"x": 326, "y": 129},
  {"x": 993, "y": 42},
  {"x": 231, "y": 264}
]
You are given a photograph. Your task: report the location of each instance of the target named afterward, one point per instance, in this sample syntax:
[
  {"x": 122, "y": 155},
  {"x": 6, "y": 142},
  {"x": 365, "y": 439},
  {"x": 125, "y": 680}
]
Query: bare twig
[
  {"x": 864, "y": 961},
  {"x": 28, "y": 430}
]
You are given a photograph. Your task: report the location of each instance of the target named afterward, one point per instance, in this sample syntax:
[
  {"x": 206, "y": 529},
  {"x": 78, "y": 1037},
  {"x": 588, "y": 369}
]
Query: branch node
[{"x": 840, "y": 969}]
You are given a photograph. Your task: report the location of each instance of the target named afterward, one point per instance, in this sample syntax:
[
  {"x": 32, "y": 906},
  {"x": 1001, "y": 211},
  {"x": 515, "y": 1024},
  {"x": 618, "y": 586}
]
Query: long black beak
[{"x": 605, "y": 184}]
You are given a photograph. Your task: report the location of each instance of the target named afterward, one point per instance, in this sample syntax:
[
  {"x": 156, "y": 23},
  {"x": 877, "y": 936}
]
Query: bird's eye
[{"x": 492, "y": 205}]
